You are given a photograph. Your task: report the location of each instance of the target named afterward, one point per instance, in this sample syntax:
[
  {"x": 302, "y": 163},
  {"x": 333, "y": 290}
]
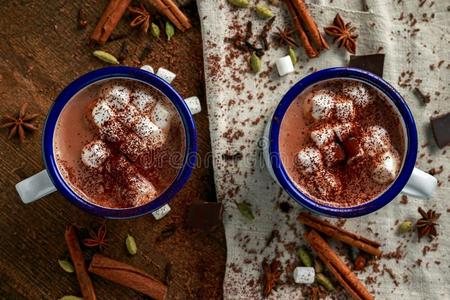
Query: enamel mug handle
[
  {"x": 35, "y": 187},
  {"x": 420, "y": 184}
]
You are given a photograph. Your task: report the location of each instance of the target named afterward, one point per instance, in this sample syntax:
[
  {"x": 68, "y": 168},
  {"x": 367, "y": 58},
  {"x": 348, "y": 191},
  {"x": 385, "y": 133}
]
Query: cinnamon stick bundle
[
  {"x": 128, "y": 276},
  {"x": 109, "y": 19},
  {"x": 306, "y": 28},
  {"x": 171, "y": 11},
  {"x": 87, "y": 289},
  {"x": 335, "y": 265},
  {"x": 352, "y": 239}
]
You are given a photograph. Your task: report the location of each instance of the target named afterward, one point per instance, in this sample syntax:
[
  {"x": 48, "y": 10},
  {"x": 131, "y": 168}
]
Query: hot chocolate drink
[
  {"x": 119, "y": 143},
  {"x": 342, "y": 142}
]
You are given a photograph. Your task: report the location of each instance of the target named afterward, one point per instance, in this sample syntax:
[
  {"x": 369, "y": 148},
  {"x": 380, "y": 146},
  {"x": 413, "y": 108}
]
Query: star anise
[
  {"x": 427, "y": 224},
  {"x": 20, "y": 124},
  {"x": 141, "y": 17},
  {"x": 343, "y": 34},
  {"x": 97, "y": 239},
  {"x": 272, "y": 274},
  {"x": 285, "y": 37}
]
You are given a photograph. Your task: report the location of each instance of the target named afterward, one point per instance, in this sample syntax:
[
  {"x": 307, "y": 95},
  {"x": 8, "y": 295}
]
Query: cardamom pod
[
  {"x": 154, "y": 30},
  {"x": 70, "y": 297},
  {"x": 66, "y": 265},
  {"x": 292, "y": 55},
  {"x": 106, "y": 57},
  {"x": 324, "y": 281},
  {"x": 239, "y": 3},
  {"x": 318, "y": 266},
  {"x": 255, "y": 63},
  {"x": 245, "y": 210},
  {"x": 130, "y": 243},
  {"x": 405, "y": 226},
  {"x": 170, "y": 30},
  {"x": 264, "y": 12},
  {"x": 305, "y": 258}
]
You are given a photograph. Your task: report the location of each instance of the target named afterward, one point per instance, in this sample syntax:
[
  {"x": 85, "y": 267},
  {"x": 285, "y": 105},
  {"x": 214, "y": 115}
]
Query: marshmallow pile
[{"x": 337, "y": 138}]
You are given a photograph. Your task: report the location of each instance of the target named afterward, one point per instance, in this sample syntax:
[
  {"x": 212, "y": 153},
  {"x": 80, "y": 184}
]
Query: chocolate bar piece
[
  {"x": 204, "y": 215},
  {"x": 440, "y": 126},
  {"x": 373, "y": 63}
]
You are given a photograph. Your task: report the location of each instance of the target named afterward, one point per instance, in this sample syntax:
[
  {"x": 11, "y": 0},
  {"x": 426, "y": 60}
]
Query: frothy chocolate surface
[
  {"x": 342, "y": 142},
  {"x": 119, "y": 143}
]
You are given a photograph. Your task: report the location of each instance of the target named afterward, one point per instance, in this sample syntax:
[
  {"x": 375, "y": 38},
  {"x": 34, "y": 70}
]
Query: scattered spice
[
  {"x": 170, "y": 30},
  {"x": 97, "y": 239},
  {"x": 232, "y": 156},
  {"x": 285, "y": 207},
  {"x": 419, "y": 94},
  {"x": 245, "y": 210},
  {"x": 141, "y": 17},
  {"x": 427, "y": 224},
  {"x": 360, "y": 263},
  {"x": 66, "y": 265},
  {"x": 404, "y": 199},
  {"x": 106, "y": 57},
  {"x": 167, "y": 232},
  {"x": 405, "y": 226},
  {"x": 284, "y": 37},
  {"x": 265, "y": 32},
  {"x": 81, "y": 19},
  {"x": 130, "y": 243},
  {"x": 436, "y": 171},
  {"x": 343, "y": 34},
  {"x": 271, "y": 275},
  {"x": 20, "y": 124}
]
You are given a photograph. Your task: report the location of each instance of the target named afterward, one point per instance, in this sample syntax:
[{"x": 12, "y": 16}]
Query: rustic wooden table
[{"x": 41, "y": 51}]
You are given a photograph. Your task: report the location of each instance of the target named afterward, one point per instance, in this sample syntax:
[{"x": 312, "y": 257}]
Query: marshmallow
[
  {"x": 148, "y": 68},
  {"x": 345, "y": 110},
  {"x": 128, "y": 115},
  {"x": 148, "y": 131},
  {"x": 387, "y": 167},
  {"x": 133, "y": 147},
  {"x": 166, "y": 75},
  {"x": 116, "y": 96},
  {"x": 194, "y": 104},
  {"x": 161, "y": 212},
  {"x": 112, "y": 131},
  {"x": 376, "y": 140},
  {"x": 322, "y": 136},
  {"x": 309, "y": 160},
  {"x": 102, "y": 113},
  {"x": 357, "y": 92},
  {"x": 284, "y": 65},
  {"x": 304, "y": 275},
  {"x": 140, "y": 190},
  {"x": 343, "y": 131},
  {"x": 161, "y": 116},
  {"x": 319, "y": 107},
  {"x": 328, "y": 185},
  {"x": 142, "y": 100},
  {"x": 333, "y": 154},
  {"x": 94, "y": 154}
]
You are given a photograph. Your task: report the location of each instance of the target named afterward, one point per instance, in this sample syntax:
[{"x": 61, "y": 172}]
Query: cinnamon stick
[
  {"x": 352, "y": 239},
  {"x": 178, "y": 13},
  {"x": 309, "y": 23},
  {"x": 165, "y": 9},
  {"x": 310, "y": 51},
  {"x": 128, "y": 276},
  {"x": 109, "y": 19},
  {"x": 87, "y": 289},
  {"x": 343, "y": 274}
]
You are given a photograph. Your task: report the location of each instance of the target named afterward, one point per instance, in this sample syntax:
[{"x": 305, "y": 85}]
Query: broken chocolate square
[
  {"x": 204, "y": 215},
  {"x": 440, "y": 126},
  {"x": 373, "y": 63}
]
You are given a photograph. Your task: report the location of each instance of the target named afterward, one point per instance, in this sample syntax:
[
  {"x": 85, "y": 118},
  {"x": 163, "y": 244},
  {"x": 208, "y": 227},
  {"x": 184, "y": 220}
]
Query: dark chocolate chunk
[
  {"x": 373, "y": 63},
  {"x": 440, "y": 126},
  {"x": 204, "y": 215}
]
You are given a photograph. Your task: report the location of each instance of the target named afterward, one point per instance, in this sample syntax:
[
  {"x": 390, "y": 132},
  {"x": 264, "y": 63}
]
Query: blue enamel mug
[
  {"x": 410, "y": 180},
  {"x": 51, "y": 180}
]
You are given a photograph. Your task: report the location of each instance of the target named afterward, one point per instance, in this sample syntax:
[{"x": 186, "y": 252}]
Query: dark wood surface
[{"x": 41, "y": 51}]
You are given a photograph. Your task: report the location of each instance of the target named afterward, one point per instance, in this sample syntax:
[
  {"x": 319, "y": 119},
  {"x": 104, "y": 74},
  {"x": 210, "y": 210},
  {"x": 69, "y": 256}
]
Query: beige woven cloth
[{"x": 240, "y": 103}]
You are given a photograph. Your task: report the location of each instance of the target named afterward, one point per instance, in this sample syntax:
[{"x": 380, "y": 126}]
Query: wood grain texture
[{"x": 41, "y": 51}]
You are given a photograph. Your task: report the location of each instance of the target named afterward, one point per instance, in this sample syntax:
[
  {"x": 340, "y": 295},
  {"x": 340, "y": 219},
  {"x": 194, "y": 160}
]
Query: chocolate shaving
[
  {"x": 233, "y": 156},
  {"x": 440, "y": 126},
  {"x": 265, "y": 32},
  {"x": 419, "y": 94},
  {"x": 167, "y": 232},
  {"x": 373, "y": 63}
]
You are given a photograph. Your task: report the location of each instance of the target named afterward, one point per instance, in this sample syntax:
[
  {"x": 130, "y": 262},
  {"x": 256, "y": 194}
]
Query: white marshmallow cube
[
  {"x": 284, "y": 65},
  {"x": 345, "y": 110},
  {"x": 329, "y": 184},
  {"x": 358, "y": 93},
  {"x": 94, "y": 154},
  {"x": 343, "y": 131},
  {"x": 319, "y": 107},
  {"x": 161, "y": 212},
  {"x": 143, "y": 190},
  {"x": 116, "y": 96},
  {"x": 142, "y": 100},
  {"x": 128, "y": 115},
  {"x": 376, "y": 140},
  {"x": 148, "y": 131},
  {"x": 387, "y": 167},
  {"x": 148, "y": 68},
  {"x": 161, "y": 116},
  {"x": 166, "y": 75},
  {"x": 194, "y": 104},
  {"x": 305, "y": 275},
  {"x": 323, "y": 136},
  {"x": 310, "y": 160},
  {"x": 102, "y": 113}
]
